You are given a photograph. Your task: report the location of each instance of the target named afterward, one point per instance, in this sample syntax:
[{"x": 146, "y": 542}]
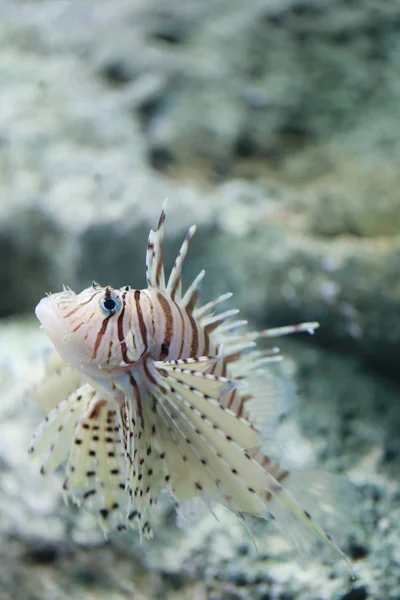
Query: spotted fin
[
  {"x": 174, "y": 285},
  {"x": 145, "y": 476},
  {"x": 186, "y": 458},
  {"x": 218, "y": 465},
  {"x": 330, "y": 498},
  {"x": 271, "y": 397},
  {"x": 210, "y": 395},
  {"x": 154, "y": 255},
  {"x": 52, "y": 439},
  {"x": 59, "y": 381},
  {"x": 95, "y": 473}
]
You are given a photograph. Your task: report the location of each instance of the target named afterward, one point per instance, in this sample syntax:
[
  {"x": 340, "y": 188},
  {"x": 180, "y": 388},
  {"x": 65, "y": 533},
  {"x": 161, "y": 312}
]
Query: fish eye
[{"x": 110, "y": 305}]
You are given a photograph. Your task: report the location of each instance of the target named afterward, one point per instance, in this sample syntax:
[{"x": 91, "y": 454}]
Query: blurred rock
[
  {"x": 299, "y": 96},
  {"x": 261, "y": 248}
]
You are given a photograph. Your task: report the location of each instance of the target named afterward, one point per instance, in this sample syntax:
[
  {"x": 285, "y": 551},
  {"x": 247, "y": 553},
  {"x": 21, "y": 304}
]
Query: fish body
[{"x": 167, "y": 394}]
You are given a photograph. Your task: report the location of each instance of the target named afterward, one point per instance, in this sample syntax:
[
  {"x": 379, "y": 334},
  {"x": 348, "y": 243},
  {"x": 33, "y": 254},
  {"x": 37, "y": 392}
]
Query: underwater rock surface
[
  {"x": 50, "y": 550},
  {"x": 99, "y": 99}
]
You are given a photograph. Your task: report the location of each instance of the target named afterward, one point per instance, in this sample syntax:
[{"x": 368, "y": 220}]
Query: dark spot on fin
[{"x": 89, "y": 493}]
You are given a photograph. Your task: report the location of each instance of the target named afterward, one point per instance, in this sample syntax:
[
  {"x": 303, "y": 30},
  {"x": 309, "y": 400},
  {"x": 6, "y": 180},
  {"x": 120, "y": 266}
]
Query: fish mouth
[
  {"x": 58, "y": 330},
  {"x": 50, "y": 319}
]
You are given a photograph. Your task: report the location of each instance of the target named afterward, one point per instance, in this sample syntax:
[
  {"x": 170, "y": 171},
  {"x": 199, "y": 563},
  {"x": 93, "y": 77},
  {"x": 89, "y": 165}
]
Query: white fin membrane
[
  {"x": 53, "y": 438},
  {"x": 220, "y": 468},
  {"x": 95, "y": 473},
  {"x": 58, "y": 382}
]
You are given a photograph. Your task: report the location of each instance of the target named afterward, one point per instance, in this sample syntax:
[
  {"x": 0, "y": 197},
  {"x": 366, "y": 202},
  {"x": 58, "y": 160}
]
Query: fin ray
[
  {"x": 251, "y": 487},
  {"x": 174, "y": 282},
  {"x": 96, "y": 466},
  {"x": 59, "y": 381},
  {"x": 53, "y": 437}
]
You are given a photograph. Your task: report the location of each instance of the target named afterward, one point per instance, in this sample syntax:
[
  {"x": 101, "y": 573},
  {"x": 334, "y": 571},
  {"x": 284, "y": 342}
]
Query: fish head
[{"x": 91, "y": 330}]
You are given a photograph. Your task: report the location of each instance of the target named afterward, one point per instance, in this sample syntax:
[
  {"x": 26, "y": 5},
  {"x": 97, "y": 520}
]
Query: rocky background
[{"x": 274, "y": 126}]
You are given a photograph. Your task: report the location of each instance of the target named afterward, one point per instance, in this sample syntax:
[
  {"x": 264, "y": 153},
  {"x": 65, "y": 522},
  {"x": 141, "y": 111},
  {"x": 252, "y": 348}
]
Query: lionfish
[{"x": 152, "y": 391}]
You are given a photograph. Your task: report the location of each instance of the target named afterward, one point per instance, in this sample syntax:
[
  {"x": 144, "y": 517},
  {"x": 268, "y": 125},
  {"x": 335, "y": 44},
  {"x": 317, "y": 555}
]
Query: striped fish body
[
  {"x": 173, "y": 395},
  {"x": 149, "y": 325}
]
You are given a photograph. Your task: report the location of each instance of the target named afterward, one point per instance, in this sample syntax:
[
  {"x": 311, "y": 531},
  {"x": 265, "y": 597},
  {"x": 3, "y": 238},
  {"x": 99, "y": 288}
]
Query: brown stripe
[
  {"x": 176, "y": 283},
  {"x": 232, "y": 357},
  {"x": 148, "y": 374},
  {"x": 264, "y": 461},
  {"x": 224, "y": 370},
  {"x": 100, "y": 335},
  {"x": 240, "y": 409},
  {"x": 121, "y": 336},
  {"x": 142, "y": 326},
  {"x": 182, "y": 330},
  {"x": 159, "y": 267},
  {"x": 282, "y": 476},
  {"x": 79, "y": 306},
  {"x": 243, "y": 399},
  {"x": 195, "y": 337},
  {"x": 135, "y": 386},
  {"x": 161, "y": 220},
  {"x": 149, "y": 259},
  {"x": 120, "y": 322},
  {"x": 213, "y": 326},
  {"x": 94, "y": 413},
  {"x": 130, "y": 328},
  {"x": 279, "y": 477},
  {"x": 169, "y": 322},
  {"x": 153, "y": 325},
  {"x": 231, "y": 397},
  {"x": 206, "y": 343},
  {"x": 110, "y": 345},
  {"x": 73, "y": 311},
  {"x": 192, "y": 302}
]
